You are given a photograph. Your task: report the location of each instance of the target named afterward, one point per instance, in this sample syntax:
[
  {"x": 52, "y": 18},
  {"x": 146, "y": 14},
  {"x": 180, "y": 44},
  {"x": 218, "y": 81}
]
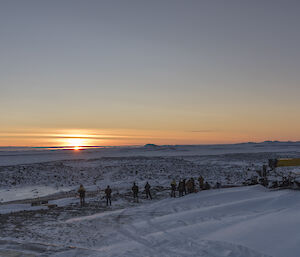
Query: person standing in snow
[
  {"x": 135, "y": 190},
  {"x": 184, "y": 186},
  {"x": 81, "y": 192},
  {"x": 173, "y": 188},
  {"x": 147, "y": 190},
  {"x": 201, "y": 182},
  {"x": 181, "y": 187},
  {"x": 108, "y": 195},
  {"x": 207, "y": 186},
  {"x": 192, "y": 185}
]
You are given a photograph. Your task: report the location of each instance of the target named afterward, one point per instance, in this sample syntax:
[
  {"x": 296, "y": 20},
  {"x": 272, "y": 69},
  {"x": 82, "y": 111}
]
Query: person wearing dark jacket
[
  {"x": 201, "y": 182},
  {"x": 108, "y": 195},
  {"x": 207, "y": 185},
  {"x": 184, "y": 186},
  {"x": 81, "y": 192},
  {"x": 190, "y": 185},
  {"x": 147, "y": 190},
  {"x": 173, "y": 188},
  {"x": 135, "y": 190},
  {"x": 181, "y": 188}
]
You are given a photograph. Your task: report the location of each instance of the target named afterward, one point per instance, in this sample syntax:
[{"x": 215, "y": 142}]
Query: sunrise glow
[
  {"x": 123, "y": 78},
  {"x": 75, "y": 142}
]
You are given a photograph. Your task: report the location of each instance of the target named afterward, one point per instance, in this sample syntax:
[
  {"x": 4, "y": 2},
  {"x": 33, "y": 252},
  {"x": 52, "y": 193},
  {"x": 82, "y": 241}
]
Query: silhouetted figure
[
  {"x": 184, "y": 186},
  {"x": 81, "y": 192},
  {"x": 206, "y": 186},
  {"x": 147, "y": 190},
  {"x": 190, "y": 185},
  {"x": 173, "y": 188},
  {"x": 108, "y": 195},
  {"x": 181, "y": 187},
  {"x": 201, "y": 182},
  {"x": 135, "y": 190}
]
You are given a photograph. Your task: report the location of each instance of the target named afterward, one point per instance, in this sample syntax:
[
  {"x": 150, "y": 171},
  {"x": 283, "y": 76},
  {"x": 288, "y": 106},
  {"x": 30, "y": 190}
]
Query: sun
[
  {"x": 76, "y": 143},
  {"x": 76, "y": 148}
]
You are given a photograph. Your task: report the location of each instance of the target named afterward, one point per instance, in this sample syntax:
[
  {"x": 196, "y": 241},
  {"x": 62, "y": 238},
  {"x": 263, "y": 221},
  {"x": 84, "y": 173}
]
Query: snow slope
[{"x": 235, "y": 222}]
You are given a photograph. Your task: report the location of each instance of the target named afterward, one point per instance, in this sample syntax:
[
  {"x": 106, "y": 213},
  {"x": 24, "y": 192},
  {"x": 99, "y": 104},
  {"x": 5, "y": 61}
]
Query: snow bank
[{"x": 247, "y": 222}]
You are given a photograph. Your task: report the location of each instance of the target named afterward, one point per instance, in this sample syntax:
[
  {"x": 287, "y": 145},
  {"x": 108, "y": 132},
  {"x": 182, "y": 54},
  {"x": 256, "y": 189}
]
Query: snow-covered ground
[
  {"x": 246, "y": 221},
  {"x": 240, "y": 221},
  {"x": 14, "y": 156}
]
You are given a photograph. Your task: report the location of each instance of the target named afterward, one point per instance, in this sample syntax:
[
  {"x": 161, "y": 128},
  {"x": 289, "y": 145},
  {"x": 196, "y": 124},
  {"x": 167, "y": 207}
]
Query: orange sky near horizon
[{"x": 119, "y": 137}]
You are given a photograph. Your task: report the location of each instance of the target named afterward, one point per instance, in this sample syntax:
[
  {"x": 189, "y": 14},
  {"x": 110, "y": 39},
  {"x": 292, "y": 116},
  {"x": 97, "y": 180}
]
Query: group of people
[
  {"x": 81, "y": 192},
  {"x": 135, "y": 191},
  {"x": 187, "y": 187},
  {"x": 108, "y": 191},
  {"x": 184, "y": 187}
]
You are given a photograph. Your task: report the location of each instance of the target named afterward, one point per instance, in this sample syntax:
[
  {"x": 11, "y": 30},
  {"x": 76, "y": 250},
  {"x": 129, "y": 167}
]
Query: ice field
[{"x": 236, "y": 221}]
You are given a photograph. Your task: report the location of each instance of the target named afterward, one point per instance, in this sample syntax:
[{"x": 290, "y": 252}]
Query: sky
[{"x": 162, "y": 71}]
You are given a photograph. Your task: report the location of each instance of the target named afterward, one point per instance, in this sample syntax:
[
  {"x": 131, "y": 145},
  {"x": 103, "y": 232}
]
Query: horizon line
[{"x": 98, "y": 146}]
